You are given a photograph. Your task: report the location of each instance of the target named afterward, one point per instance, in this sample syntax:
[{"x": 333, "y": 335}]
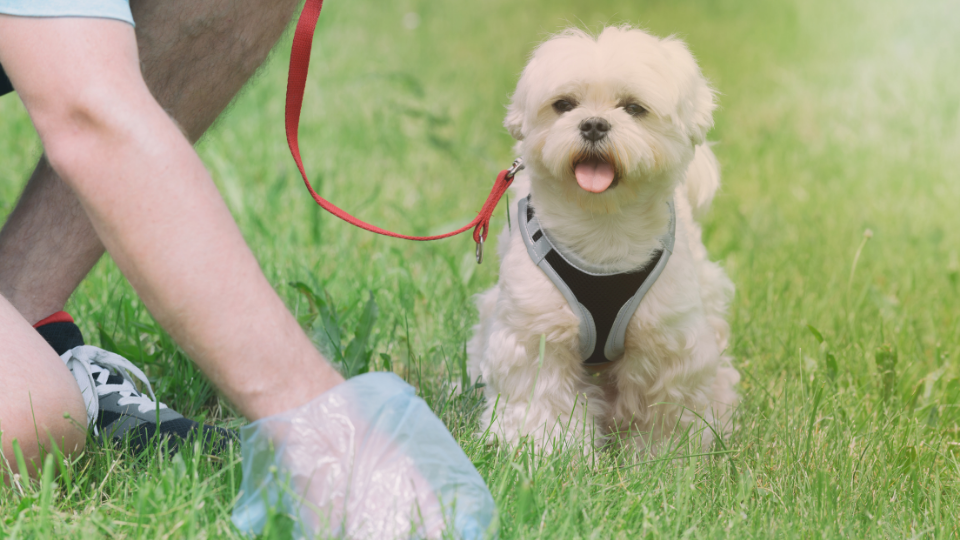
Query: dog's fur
[{"x": 674, "y": 375}]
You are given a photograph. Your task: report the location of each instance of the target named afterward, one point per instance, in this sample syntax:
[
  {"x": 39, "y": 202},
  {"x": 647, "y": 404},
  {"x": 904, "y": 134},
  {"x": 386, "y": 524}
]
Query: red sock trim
[{"x": 60, "y": 316}]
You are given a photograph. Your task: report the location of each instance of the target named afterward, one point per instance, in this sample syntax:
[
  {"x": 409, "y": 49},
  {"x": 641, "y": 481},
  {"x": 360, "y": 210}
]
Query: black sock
[{"x": 60, "y": 332}]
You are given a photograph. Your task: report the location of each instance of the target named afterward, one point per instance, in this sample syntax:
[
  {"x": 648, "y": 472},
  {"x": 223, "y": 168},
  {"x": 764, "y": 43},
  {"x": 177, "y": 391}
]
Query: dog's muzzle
[{"x": 593, "y": 129}]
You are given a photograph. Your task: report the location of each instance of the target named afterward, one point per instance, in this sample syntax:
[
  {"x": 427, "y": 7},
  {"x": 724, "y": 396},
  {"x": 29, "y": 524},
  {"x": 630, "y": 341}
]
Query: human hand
[{"x": 367, "y": 459}]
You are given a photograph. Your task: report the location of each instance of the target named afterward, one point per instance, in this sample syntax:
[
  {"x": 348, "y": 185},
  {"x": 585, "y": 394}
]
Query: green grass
[{"x": 835, "y": 118}]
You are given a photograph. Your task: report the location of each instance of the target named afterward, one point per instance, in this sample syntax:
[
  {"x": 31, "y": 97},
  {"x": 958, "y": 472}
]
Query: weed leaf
[
  {"x": 358, "y": 353},
  {"x": 307, "y": 292},
  {"x": 816, "y": 333},
  {"x": 831, "y": 362},
  {"x": 326, "y": 329}
]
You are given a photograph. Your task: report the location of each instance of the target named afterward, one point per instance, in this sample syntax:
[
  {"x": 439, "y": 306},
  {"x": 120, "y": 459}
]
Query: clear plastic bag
[{"x": 366, "y": 460}]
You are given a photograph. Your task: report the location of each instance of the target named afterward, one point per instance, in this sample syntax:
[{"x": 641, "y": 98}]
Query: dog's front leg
[{"x": 548, "y": 399}]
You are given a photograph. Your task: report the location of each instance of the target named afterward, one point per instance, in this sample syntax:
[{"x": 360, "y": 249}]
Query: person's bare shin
[
  {"x": 47, "y": 246},
  {"x": 195, "y": 57}
]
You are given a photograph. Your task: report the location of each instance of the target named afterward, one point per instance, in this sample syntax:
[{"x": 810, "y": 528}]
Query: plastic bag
[{"x": 366, "y": 460}]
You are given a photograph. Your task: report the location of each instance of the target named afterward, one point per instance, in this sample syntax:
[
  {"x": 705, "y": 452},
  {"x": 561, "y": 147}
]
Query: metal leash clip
[
  {"x": 511, "y": 172},
  {"x": 515, "y": 168}
]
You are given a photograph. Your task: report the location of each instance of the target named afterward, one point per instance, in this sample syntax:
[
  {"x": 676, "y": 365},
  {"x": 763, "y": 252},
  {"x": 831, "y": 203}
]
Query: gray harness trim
[{"x": 555, "y": 263}]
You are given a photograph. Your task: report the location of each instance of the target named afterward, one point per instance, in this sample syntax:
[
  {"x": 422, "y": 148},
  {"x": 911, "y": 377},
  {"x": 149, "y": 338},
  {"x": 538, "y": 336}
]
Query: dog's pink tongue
[{"x": 594, "y": 176}]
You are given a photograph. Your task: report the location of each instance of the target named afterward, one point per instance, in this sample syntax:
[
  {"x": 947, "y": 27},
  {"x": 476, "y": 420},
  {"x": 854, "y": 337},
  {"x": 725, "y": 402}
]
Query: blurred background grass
[{"x": 835, "y": 117}]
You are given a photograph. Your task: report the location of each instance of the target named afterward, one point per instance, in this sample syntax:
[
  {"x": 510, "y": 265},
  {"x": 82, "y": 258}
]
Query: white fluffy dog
[{"x": 612, "y": 129}]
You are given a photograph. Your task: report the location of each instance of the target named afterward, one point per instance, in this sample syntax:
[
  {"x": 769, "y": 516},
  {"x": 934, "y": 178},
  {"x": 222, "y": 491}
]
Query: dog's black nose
[{"x": 594, "y": 129}]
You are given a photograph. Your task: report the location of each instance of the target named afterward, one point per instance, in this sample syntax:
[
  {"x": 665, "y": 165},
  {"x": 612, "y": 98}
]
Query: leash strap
[{"x": 296, "y": 83}]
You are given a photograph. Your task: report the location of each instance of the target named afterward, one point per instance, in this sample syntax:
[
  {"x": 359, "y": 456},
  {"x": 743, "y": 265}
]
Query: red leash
[{"x": 297, "y": 81}]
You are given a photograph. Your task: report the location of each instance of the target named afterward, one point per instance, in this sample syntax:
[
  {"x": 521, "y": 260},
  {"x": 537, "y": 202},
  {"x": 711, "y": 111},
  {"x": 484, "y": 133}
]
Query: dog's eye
[
  {"x": 634, "y": 110},
  {"x": 562, "y": 106}
]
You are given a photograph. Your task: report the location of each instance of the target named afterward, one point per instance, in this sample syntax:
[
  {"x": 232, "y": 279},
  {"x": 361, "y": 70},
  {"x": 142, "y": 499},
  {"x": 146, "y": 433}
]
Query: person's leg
[
  {"x": 157, "y": 211},
  {"x": 197, "y": 54},
  {"x": 36, "y": 392},
  {"x": 47, "y": 246},
  {"x": 195, "y": 57}
]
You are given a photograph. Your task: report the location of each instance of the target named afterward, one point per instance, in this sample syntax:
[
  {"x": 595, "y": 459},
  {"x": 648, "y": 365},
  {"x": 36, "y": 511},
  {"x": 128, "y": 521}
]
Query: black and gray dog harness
[{"x": 604, "y": 303}]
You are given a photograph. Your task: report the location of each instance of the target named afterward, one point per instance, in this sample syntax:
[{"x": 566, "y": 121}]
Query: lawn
[{"x": 839, "y": 136}]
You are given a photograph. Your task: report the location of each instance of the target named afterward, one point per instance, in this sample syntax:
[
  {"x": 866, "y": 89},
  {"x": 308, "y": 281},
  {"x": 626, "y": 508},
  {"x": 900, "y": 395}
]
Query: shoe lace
[
  {"x": 100, "y": 364},
  {"x": 127, "y": 389}
]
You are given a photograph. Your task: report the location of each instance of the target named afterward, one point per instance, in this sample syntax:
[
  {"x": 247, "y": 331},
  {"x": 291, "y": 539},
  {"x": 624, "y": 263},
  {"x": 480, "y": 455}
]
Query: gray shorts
[{"x": 104, "y": 9}]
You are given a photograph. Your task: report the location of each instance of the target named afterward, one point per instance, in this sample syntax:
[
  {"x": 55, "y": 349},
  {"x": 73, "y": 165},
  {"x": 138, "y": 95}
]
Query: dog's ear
[
  {"x": 514, "y": 120},
  {"x": 518, "y": 103},
  {"x": 695, "y": 104}
]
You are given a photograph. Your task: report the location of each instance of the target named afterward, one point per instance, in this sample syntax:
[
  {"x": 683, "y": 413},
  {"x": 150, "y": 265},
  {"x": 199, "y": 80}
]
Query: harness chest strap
[{"x": 604, "y": 303}]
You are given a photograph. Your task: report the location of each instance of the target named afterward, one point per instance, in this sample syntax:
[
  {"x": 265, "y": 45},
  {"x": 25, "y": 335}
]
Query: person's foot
[{"x": 116, "y": 410}]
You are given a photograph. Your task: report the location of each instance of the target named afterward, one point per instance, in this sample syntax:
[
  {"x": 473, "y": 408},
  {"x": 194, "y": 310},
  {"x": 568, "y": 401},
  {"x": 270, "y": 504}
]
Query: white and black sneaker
[{"x": 116, "y": 409}]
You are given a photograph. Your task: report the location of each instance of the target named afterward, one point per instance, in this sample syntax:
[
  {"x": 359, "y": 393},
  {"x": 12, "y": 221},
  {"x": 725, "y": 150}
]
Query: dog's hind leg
[{"x": 725, "y": 398}]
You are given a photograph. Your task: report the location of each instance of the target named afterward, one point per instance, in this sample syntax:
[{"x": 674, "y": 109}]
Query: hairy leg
[
  {"x": 47, "y": 246},
  {"x": 195, "y": 56}
]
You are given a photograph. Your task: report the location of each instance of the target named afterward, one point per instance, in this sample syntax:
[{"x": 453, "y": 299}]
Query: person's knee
[
  {"x": 77, "y": 132},
  {"x": 67, "y": 425},
  {"x": 52, "y": 415}
]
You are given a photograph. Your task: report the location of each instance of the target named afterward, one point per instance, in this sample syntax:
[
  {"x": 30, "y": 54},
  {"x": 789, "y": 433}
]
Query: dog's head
[{"x": 603, "y": 115}]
